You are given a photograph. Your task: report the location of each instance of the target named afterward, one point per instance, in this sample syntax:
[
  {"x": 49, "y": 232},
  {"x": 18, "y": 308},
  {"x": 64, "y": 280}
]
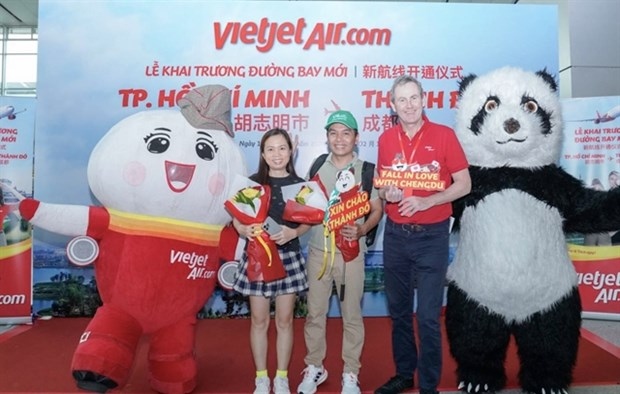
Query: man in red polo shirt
[{"x": 427, "y": 170}]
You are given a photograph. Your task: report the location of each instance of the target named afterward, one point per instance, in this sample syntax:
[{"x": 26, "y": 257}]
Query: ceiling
[
  {"x": 22, "y": 13},
  {"x": 19, "y": 13}
]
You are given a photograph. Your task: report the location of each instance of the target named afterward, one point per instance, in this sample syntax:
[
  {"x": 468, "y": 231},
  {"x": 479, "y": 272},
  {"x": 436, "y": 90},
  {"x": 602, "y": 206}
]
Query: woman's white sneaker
[
  {"x": 262, "y": 385},
  {"x": 280, "y": 385}
]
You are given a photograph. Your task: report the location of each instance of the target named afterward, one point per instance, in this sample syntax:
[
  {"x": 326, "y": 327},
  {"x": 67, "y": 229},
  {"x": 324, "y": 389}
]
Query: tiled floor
[
  {"x": 4, "y": 328},
  {"x": 606, "y": 329}
]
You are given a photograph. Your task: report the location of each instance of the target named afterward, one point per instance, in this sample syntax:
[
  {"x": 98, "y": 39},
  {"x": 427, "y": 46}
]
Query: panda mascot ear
[
  {"x": 548, "y": 78},
  {"x": 464, "y": 82},
  {"x": 351, "y": 170}
]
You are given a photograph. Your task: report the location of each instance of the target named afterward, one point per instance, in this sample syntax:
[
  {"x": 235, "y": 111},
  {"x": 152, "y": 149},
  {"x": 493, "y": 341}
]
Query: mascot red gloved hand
[{"x": 162, "y": 177}]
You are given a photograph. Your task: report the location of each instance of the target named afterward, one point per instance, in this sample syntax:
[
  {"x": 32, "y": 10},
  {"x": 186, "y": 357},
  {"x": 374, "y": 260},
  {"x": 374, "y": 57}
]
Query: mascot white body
[
  {"x": 512, "y": 275},
  {"x": 162, "y": 183}
]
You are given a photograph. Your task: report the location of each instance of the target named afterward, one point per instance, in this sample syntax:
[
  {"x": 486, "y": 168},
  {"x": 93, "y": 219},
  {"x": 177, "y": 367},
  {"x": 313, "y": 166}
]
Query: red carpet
[{"x": 38, "y": 359}]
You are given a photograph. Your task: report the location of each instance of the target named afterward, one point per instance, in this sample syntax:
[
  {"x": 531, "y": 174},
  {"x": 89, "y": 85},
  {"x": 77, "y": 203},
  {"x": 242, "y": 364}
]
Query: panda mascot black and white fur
[{"x": 511, "y": 274}]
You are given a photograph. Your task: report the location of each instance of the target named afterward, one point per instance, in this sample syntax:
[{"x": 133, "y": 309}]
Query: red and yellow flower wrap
[
  {"x": 250, "y": 205},
  {"x": 304, "y": 202}
]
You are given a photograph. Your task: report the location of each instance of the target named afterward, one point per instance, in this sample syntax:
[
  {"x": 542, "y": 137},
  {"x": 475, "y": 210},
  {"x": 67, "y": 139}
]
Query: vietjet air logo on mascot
[
  {"x": 197, "y": 263},
  {"x": 161, "y": 178}
]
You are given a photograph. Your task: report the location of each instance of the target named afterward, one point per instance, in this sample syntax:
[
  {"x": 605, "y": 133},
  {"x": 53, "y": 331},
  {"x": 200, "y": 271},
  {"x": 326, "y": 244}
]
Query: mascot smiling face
[
  {"x": 156, "y": 163},
  {"x": 511, "y": 275}
]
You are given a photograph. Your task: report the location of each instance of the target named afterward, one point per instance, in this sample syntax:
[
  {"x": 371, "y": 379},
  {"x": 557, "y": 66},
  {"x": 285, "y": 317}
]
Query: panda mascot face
[
  {"x": 509, "y": 117},
  {"x": 156, "y": 163}
]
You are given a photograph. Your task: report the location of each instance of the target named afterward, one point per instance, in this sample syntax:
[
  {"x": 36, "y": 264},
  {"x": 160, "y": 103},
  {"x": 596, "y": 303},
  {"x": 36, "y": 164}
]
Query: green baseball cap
[{"x": 344, "y": 117}]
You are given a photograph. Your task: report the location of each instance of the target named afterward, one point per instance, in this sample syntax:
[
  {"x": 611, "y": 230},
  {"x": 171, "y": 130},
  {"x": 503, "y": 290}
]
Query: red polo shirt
[{"x": 435, "y": 150}]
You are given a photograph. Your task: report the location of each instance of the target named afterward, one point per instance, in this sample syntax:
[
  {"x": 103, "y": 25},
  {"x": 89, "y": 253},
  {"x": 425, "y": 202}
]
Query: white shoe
[
  {"x": 313, "y": 376},
  {"x": 350, "y": 384},
  {"x": 280, "y": 385},
  {"x": 262, "y": 385}
]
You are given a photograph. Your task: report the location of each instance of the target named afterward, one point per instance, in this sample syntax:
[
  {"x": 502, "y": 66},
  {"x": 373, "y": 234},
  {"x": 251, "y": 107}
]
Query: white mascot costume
[
  {"x": 162, "y": 177},
  {"x": 512, "y": 275}
]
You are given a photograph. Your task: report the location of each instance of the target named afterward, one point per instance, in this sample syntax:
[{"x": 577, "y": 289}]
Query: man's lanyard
[{"x": 415, "y": 147}]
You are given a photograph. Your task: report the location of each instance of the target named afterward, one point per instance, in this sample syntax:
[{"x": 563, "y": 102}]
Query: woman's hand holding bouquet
[{"x": 250, "y": 207}]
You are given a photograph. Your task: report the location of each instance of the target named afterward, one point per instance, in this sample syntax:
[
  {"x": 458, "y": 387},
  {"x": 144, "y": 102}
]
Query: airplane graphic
[
  {"x": 336, "y": 108},
  {"x": 610, "y": 115},
  {"x": 8, "y": 111}
]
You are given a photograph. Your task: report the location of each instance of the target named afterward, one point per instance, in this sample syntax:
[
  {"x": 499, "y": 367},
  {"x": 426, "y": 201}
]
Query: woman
[{"x": 275, "y": 169}]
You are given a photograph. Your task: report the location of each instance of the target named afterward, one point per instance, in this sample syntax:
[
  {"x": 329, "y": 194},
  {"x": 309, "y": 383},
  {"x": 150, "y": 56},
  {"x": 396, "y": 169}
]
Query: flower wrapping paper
[
  {"x": 250, "y": 205},
  {"x": 305, "y": 202}
]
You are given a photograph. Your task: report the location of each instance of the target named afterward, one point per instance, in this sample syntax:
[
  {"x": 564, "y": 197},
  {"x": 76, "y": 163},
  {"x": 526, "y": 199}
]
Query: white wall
[
  {"x": 594, "y": 47},
  {"x": 589, "y": 46}
]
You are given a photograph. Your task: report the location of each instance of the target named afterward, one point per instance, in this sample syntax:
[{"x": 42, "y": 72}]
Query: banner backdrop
[
  {"x": 288, "y": 64},
  {"x": 591, "y": 152},
  {"x": 16, "y": 151}
]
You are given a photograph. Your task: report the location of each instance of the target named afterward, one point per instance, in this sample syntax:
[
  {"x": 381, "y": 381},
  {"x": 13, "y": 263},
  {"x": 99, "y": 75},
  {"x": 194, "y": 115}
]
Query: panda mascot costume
[{"x": 511, "y": 274}]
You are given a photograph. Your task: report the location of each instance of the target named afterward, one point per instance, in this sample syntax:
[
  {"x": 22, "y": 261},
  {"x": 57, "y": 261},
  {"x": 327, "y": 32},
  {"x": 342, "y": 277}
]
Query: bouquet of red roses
[
  {"x": 305, "y": 202},
  {"x": 250, "y": 205}
]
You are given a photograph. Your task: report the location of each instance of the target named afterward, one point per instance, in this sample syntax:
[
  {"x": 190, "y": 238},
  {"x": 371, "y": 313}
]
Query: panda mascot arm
[
  {"x": 586, "y": 210},
  {"x": 583, "y": 209}
]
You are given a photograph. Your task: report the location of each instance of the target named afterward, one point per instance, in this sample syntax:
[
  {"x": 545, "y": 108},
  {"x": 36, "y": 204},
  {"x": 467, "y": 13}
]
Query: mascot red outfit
[
  {"x": 162, "y": 177},
  {"x": 512, "y": 275}
]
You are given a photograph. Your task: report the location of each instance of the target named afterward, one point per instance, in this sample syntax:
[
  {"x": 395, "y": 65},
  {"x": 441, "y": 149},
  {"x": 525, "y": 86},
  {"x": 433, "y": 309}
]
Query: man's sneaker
[
  {"x": 428, "y": 391},
  {"x": 262, "y": 385},
  {"x": 280, "y": 385},
  {"x": 395, "y": 385},
  {"x": 313, "y": 376},
  {"x": 350, "y": 383}
]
